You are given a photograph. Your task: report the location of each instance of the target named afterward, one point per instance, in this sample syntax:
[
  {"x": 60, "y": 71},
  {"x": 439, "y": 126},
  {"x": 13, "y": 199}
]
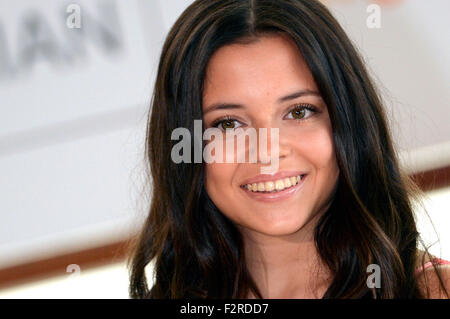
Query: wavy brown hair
[{"x": 196, "y": 251}]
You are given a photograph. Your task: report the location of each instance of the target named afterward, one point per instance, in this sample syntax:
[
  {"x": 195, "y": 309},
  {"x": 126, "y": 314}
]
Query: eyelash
[{"x": 301, "y": 106}]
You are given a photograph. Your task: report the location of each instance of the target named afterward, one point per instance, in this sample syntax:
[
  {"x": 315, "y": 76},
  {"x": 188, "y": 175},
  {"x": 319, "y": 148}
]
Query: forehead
[{"x": 270, "y": 64}]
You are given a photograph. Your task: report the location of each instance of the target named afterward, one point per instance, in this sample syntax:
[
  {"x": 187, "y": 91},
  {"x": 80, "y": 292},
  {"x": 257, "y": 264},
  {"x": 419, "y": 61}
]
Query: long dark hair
[{"x": 195, "y": 250}]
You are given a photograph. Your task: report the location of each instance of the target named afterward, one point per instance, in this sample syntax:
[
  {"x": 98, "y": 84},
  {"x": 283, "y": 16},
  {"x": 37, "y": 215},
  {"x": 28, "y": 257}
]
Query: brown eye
[
  {"x": 302, "y": 112},
  {"x": 227, "y": 124},
  {"x": 298, "y": 113}
]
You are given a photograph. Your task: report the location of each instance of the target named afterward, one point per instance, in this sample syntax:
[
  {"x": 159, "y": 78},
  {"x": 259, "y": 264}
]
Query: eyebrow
[{"x": 228, "y": 106}]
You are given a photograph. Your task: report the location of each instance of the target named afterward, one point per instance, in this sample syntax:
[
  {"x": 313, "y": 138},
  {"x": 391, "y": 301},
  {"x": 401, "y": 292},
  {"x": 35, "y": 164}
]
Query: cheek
[
  {"x": 316, "y": 150},
  {"x": 218, "y": 179},
  {"x": 320, "y": 149},
  {"x": 218, "y": 185},
  {"x": 316, "y": 146}
]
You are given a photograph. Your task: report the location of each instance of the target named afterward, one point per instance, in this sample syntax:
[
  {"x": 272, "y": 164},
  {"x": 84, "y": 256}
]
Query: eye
[
  {"x": 226, "y": 123},
  {"x": 301, "y": 111}
]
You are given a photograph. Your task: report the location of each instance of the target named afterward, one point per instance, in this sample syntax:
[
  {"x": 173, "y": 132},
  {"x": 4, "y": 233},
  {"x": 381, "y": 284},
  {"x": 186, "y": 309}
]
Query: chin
[{"x": 279, "y": 226}]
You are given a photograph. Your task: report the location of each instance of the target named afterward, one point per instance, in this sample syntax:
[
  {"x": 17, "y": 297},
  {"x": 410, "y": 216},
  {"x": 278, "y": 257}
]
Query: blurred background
[{"x": 73, "y": 105}]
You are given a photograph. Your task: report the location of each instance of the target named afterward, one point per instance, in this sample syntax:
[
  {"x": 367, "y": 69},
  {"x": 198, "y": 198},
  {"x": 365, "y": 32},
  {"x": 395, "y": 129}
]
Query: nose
[
  {"x": 273, "y": 146},
  {"x": 269, "y": 139}
]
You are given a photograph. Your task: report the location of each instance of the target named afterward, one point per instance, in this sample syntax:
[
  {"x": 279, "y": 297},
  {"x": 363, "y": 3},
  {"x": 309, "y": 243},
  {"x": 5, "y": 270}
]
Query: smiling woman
[
  {"x": 338, "y": 204},
  {"x": 275, "y": 214}
]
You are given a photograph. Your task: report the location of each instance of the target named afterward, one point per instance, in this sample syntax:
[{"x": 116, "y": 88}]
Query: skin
[
  {"x": 278, "y": 236},
  {"x": 428, "y": 280}
]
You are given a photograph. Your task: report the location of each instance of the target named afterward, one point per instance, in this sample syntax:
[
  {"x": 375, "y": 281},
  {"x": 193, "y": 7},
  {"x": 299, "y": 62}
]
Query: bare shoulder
[
  {"x": 434, "y": 281},
  {"x": 430, "y": 282}
]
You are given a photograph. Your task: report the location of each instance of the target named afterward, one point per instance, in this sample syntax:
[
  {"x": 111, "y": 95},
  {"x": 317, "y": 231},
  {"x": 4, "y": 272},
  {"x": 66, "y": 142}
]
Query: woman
[{"x": 337, "y": 208}]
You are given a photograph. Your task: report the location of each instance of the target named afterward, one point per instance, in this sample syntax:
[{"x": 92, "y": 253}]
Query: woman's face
[{"x": 256, "y": 76}]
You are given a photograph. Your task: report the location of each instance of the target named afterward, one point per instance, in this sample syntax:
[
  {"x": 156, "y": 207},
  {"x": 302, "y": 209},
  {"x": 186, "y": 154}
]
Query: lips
[{"x": 275, "y": 195}]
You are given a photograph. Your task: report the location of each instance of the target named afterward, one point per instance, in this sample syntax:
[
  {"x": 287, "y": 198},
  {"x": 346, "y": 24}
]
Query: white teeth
[
  {"x": 274, "y": 186},
  {"x": 269, "y": 186},
  {"x": 279, "y": 185},
  {"x": 287, "y": 182},
  {"x": 293, "y": 180}
]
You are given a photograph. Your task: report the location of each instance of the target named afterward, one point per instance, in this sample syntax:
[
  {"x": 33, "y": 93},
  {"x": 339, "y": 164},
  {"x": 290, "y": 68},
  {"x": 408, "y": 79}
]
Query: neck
[{"x": 286, "y": 266}]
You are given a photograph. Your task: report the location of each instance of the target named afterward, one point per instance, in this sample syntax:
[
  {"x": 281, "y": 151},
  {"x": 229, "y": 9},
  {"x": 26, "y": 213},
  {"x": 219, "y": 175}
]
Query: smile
[
  {"x": 276, "y": 190},
  {"x": 274, "y": 186}
]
